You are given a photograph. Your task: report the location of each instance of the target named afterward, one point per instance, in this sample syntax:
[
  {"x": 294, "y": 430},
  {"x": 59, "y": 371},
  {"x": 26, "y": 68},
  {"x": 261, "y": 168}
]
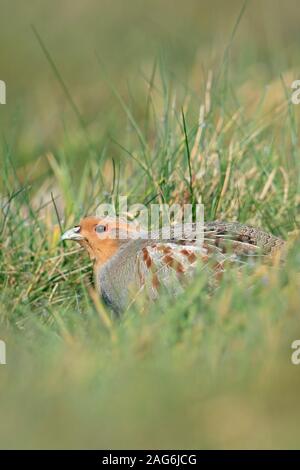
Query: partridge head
[{"x": 127, "y": 259}]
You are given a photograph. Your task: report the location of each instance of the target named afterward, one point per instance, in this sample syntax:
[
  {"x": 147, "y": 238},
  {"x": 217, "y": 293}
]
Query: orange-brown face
[{"x": 100, "y": 237}]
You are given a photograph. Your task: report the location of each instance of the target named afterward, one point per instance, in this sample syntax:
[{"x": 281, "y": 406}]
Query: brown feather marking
[
  {"x": 179, "y": 268},
  {"x": 165, "y": 249},
  {"x": 155, "y": 281},
  {"x": 147, "y": 258},
  {"x": 190, "y": 256},
  {"x": 170, "y": 261},
  {"x": 243, "y": 238}
]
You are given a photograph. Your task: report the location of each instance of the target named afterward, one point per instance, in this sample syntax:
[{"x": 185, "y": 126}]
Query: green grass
[{"x": 175, "y": 114}]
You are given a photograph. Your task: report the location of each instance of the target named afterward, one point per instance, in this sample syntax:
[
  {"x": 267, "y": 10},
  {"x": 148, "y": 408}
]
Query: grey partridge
[{"x": 127, "y": 260}]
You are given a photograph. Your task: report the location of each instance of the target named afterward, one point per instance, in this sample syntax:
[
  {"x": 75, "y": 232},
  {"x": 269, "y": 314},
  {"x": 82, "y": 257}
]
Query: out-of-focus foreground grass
[{"x": 96, "y": 93}]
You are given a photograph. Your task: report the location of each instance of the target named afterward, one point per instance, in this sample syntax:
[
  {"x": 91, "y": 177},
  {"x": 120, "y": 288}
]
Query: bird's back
[{"x": 150, "y": 262}]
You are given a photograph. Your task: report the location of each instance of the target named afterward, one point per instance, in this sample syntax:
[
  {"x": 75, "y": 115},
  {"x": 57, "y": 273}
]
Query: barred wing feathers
[{"x": 167, "y": 262}]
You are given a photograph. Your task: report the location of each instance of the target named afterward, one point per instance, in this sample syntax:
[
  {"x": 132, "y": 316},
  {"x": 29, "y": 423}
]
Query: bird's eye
[{"x": 101, "y": 228}]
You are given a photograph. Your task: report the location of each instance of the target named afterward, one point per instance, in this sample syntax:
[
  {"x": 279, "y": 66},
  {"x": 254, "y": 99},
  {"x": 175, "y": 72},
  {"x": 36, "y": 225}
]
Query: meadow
[{"x": 147, "y": 99}]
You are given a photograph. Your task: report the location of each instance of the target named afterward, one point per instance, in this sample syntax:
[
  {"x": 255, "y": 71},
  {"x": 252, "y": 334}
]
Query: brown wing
[
  {"x": 240, "y": 240},
  {"x": 168, "y": 263}
]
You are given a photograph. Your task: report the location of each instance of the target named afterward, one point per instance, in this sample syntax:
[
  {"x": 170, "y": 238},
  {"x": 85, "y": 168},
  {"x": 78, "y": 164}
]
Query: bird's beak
[{"x": 72, "y": 234}]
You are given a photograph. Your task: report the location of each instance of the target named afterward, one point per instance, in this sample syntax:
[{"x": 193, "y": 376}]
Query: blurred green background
[
  {"x": 129, "y": 38},
  {"x": 95, "y": 93}
]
